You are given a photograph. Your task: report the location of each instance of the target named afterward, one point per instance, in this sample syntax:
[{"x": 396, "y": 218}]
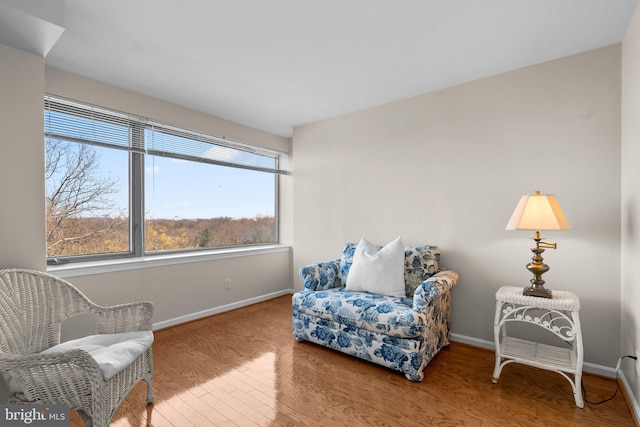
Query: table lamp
[{"x": 538, "y": 212}]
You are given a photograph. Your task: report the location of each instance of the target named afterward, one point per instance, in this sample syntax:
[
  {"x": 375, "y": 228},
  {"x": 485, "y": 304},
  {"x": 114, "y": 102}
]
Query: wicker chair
[{"x": 32, "y": 308}]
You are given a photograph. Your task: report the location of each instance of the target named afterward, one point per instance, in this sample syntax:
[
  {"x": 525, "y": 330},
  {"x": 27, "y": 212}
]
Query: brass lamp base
[
  {"x": 537, "y": 291},
  {"x": 538, "y": 268}
]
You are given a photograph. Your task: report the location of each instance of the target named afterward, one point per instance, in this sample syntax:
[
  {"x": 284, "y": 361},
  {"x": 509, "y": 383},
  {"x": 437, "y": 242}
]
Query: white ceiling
[{"x": 276, "y": 64}]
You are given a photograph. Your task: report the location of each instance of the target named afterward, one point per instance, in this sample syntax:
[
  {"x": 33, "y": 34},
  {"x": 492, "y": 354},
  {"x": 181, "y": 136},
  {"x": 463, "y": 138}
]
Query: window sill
[{"x": 111, "y": 266}]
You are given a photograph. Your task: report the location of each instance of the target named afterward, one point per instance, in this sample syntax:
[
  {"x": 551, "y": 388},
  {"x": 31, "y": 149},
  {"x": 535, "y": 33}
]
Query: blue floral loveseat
[{"x": 400, "y": 333}]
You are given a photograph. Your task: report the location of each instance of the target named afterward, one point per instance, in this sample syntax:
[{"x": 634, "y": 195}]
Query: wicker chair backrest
[{"x": 32, "y": 307}]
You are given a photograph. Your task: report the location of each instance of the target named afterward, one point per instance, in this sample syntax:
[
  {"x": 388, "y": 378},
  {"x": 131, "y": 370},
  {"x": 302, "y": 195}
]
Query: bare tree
[{"x": 79, "y": 211}]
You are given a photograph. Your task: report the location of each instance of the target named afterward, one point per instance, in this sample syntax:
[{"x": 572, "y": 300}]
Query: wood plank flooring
[{"x": 243, "y": 368}]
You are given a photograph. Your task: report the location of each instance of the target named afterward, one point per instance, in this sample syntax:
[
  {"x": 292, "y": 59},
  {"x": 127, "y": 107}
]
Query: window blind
[
  {"x": 163, "y": 140},
  {"x": 70, "y": 120}
]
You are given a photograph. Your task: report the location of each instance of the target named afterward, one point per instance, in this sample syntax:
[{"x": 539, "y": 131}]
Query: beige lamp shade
[{"x": 538, "y": 212}]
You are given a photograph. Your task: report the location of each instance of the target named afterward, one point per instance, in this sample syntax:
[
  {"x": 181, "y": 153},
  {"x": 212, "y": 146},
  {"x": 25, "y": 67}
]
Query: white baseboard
[
  {"x": 588, "y": 367},
  {"x": 489, "y": 345},
  {"x": 634, "y": 402},
  {"x": 220, "y": 309}
]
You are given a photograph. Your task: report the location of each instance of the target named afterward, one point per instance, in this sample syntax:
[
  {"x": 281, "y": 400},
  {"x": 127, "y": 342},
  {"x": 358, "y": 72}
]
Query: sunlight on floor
[{"x": 245, "y": 395}]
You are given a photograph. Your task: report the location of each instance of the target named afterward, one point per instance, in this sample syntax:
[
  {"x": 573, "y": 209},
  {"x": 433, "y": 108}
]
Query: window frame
[{"x": 137, "y": 152}]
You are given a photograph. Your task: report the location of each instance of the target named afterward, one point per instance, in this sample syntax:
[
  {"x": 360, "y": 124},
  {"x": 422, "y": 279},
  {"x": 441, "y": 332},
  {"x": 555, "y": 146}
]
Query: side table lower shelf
[
  {"x": 559, "y": 316},
  {"x": 536, "y": 354}
]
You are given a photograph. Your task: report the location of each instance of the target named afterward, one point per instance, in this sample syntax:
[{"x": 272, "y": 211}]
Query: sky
[
  {"x": 186, "y": 189},
  {"x": 200, "y": 190},
  {"x": 176, "y": 188}
]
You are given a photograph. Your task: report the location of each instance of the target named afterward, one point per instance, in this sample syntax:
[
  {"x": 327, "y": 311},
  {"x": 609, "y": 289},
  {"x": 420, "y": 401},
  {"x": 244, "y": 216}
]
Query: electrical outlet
[
  {"x": 227, "y": 284},
  {"x": 637, "y": 362}
]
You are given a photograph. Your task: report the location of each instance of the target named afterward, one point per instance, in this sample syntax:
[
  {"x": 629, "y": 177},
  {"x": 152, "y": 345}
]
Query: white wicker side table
[{"x": 558, "y": 315}]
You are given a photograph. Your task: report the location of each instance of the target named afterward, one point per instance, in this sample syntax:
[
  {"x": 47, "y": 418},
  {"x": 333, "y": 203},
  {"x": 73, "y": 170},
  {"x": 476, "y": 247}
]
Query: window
[{"x": 120, "y": 185}]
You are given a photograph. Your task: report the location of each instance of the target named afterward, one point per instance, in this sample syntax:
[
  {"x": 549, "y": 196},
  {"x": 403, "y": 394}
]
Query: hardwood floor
[{"x": 243, "y": 368}]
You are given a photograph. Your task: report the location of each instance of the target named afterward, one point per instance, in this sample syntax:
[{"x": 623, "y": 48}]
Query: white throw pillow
[{"x": 378, "y": 271}]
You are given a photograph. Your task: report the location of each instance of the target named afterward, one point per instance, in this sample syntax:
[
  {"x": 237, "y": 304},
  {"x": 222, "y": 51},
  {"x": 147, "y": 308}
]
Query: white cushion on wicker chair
[
  {"x": 33, "y": 306},
  {"x": 113, "y": 352}
]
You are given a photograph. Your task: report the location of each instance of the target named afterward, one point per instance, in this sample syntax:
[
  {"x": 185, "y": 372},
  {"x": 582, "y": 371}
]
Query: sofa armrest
[
  {"x": 434, "y": 287},
  {"x": 321, "y": 276}
]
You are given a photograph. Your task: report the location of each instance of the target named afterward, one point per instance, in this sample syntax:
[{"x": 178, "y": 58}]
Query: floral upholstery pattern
[
  {"x": 372, "y": 312},
  {"x": 321, "y": 276},
  {"x": 400, "y": 333}
]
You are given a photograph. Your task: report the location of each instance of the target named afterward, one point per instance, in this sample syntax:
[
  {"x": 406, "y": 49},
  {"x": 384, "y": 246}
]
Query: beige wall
[
  {"x": 182, "y": 290},
  {"x": 631, "y": 201},
  {"x": 21, "y": 160},
  {"x": 448, "y": 168}
]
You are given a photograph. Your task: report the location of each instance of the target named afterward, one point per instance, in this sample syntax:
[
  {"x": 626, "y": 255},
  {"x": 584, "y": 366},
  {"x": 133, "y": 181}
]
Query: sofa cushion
[
  {"x": 420, "y": 263},
  {"x": 378, "y": 271},
  {"x": 376, "y": 313},
  {"x": 346, "y": 261}
]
